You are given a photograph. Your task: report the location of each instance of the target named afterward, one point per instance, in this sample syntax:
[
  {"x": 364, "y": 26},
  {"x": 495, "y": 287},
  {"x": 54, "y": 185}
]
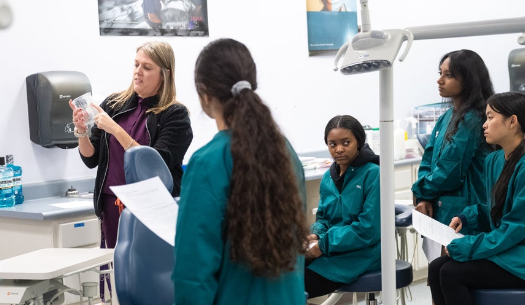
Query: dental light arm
[
  {"x": 6, "y": 15},
  {"x": 365, "y": 17},
  {"x": 475, "y": 28}
]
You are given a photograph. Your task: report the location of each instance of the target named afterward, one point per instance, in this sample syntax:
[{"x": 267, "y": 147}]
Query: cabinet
[{"x": 51, "y": 223}]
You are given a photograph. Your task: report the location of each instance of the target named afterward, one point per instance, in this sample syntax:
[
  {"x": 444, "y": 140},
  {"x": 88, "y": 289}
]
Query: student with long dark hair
[
  {"x": 450, "y": 174},
  {"x": 241, "y": 227},
  {"x": 345, "y": 239},
  {"x": 492, "y": 259}
]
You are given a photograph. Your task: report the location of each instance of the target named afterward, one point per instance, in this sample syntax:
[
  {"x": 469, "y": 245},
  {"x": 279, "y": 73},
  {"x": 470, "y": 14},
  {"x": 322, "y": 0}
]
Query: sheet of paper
[
  {"x": 152, "y": 204},
  {"x": 431, "y": 249},
  {"x": 433, "y": 229}
]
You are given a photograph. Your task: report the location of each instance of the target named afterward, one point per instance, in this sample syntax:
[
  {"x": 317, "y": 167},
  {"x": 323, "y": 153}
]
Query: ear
[
  {"x": 514, "y": 121},
  {"x": 206, "y": 99}
]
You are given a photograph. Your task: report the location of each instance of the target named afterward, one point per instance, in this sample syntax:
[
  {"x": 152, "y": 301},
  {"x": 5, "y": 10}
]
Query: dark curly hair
[{"x": 266, "y": 221}]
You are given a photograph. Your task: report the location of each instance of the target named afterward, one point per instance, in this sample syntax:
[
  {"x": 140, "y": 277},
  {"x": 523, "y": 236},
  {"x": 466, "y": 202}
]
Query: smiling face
[
  {"x": 343, "y": 147},
  {"x": 449, "y": 85},
  {"x": 147, "y": 77}
]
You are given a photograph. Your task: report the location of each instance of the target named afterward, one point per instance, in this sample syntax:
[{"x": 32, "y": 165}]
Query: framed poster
[
  {"x": 331, "y": 23},
  {"x": 153, "y": 17}
]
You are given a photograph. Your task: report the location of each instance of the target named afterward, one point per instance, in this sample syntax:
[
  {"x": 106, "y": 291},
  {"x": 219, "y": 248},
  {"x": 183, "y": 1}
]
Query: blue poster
[{"x": 331, "y": 23}]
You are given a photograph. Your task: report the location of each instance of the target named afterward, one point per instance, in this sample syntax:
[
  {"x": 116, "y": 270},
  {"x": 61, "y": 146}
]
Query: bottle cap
[{"x": 2, "y": 161}]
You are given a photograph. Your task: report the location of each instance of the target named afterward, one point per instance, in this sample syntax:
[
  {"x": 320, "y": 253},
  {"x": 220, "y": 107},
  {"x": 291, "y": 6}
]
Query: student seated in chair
[
  {"x": 345, "y": 239},
  {"x": 492, "y": 259}
]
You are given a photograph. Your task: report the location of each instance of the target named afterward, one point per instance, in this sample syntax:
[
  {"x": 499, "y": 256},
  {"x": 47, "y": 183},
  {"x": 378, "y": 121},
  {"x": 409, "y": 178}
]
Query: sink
[{"x": 80, "y": 195}]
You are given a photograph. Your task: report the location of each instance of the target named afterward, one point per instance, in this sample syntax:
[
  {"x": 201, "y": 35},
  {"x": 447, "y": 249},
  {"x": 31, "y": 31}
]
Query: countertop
[
  {"x": 50, "y": 208},
  {"x": 45, "y": 200}
]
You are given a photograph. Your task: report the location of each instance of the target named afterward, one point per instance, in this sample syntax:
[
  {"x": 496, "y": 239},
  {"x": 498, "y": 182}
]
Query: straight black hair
[
  {"x": 507, "y": 104},
  {"x": 470, "y": 69}
]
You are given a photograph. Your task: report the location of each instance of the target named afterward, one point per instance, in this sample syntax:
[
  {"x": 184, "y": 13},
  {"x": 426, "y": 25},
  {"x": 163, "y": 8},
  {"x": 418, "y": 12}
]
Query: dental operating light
[{"x": 372, "y": 51}]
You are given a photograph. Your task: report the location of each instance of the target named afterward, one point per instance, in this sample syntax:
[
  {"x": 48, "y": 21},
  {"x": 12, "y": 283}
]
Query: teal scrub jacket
[
  {"x": 203, "y": 272},
  {"x": 348, "y": 225},
  {"x": 504, "y": 245},
  {"x": 450, "y": 174}
]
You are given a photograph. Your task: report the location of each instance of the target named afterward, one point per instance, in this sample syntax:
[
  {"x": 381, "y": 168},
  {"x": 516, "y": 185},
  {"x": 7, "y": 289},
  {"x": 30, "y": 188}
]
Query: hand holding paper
[{"x": 433, "y": 229}]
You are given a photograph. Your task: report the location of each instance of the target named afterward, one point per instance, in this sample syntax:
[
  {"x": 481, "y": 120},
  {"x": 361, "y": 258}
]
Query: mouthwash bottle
[
  {"x": 17, "y": 179},
  {"x": 7, "y": 196}
]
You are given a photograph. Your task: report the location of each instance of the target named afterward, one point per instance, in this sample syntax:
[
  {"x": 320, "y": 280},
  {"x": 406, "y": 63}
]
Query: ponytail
[
  {"x": 264, "y": 207},
  {"x": 266, "y": 221}
]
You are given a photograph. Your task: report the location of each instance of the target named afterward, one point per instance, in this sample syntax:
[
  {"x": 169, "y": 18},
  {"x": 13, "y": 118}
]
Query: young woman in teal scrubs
[
  {"x": 345, "y": 239},
  {"x": 241, "y": 227},
  {"x": 450, "y": 174},
  {"x": 492, "y": 259}
]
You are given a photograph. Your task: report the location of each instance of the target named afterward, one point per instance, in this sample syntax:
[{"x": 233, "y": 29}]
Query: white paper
[
  {"x": 73, "y": 204},
  {"x": 152, "y": 204},
  {"x": 433, "y": 229},
  {"x": 431, "y": 249}
]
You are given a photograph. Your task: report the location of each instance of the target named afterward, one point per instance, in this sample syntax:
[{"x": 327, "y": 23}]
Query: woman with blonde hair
[{"x": 147, "y": 113}]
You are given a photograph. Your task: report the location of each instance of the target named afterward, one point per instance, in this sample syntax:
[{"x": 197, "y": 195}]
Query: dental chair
[{"x": 143, "y": 262}]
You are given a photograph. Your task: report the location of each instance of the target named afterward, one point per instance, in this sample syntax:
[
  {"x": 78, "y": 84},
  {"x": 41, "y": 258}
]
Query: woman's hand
[
  {"x": 104, "y": 121},
  {"x": 79, "y": 118},
  {"x": 425, "y": 207},
  {"x": 312, "y": 237},
  {"x": 313, "y": 251},
  {"x": 456, "y": 224}
]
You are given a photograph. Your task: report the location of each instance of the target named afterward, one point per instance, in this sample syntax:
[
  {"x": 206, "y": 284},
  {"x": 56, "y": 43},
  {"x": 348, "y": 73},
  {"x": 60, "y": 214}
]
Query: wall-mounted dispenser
[
  {"x": 517, "y": 70},
  {"x": 48, "y": 95}
]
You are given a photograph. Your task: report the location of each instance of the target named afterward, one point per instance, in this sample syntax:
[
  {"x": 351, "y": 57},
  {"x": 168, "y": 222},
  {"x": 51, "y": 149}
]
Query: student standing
[
  {"x": 450, "y": 174},
  {"x": 241, "y": 227}
]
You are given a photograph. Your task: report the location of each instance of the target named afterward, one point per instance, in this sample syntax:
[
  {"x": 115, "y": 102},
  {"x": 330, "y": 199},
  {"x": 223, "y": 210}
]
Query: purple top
[{"x": 134, "y": 123}]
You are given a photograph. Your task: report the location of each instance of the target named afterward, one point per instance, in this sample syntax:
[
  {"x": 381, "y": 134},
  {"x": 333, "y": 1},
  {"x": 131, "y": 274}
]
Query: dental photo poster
[
  {"x": 331, "y": 23},
  {"x": 153, "y": 17}
]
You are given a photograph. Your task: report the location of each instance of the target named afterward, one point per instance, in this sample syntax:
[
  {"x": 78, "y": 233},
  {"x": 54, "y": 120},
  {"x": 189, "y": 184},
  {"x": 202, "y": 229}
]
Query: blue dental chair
[{"x": 143, "y": 262}]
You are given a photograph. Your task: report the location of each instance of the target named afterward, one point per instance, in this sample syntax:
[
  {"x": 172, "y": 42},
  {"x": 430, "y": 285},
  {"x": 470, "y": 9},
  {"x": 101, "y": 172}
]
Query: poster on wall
[
  {"x": 331, "y": 23},
  {"x": 153, "y": 17}
]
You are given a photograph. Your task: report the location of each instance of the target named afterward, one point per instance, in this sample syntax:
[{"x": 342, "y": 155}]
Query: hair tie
[{"x": 239, "y": 86}]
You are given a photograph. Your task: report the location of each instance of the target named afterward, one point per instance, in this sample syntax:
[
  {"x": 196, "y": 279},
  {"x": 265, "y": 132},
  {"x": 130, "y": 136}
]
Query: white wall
[{"x": 303, "y": 91}]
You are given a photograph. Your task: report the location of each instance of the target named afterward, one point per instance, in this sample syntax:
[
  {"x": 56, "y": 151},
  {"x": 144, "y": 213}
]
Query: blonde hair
[{"x": 162, "y": 54}]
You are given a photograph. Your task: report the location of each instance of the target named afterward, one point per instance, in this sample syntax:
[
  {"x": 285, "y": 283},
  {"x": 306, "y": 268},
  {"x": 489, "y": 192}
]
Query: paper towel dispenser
[
  {"x": 48, "y": 95},
  {"x": 517, "y": 70}
]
